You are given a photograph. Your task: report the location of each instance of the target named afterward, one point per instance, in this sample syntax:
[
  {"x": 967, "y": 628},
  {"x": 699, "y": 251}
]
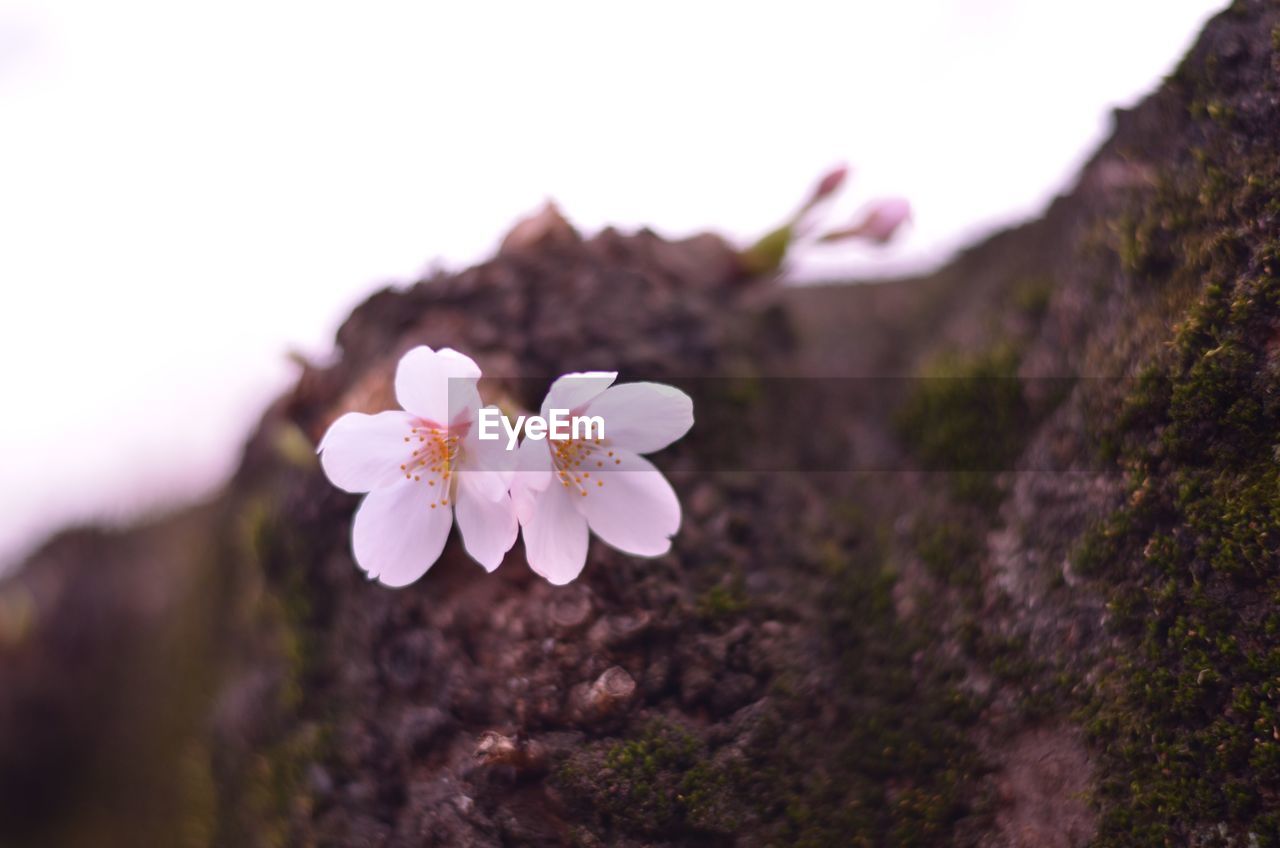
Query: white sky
[{"x": 189, "y": 189}]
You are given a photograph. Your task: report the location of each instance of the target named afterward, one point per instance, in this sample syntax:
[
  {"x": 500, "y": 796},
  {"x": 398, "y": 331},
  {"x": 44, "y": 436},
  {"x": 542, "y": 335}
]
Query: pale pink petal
[
  {"x": 487, "y": 464},
  {"x": 532, "y": 476},
  {"x": 631, "y": 506},
  {"x": 437, "y": 385},
  {"x": 396, "y": 535},
  {"x": 488, "y": 526},
  {"x": 572, "y": 391},
  {"x": 361, "y": 452},
  {"x": 643, "y": 417},
  {"x": 555, "y": 537}
]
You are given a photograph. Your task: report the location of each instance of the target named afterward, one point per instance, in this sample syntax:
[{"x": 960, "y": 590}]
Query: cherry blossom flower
[
  {"x": 422, "y": 467},
  {"x": 563, "y": 488}
]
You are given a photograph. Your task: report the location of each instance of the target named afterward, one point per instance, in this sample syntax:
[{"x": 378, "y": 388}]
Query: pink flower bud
[
  {"x": 830, "y": 183},
  {"x": 885, "y": 217},
  {"x": 879, "y": 223},
  {"x": 827, "y": 186}
]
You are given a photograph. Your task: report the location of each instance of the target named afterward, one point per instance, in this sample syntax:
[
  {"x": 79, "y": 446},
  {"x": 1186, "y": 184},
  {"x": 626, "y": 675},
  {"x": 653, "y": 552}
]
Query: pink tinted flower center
[
  {"x": 576, "y": 459},
  {"x": 433, "y": 458}
]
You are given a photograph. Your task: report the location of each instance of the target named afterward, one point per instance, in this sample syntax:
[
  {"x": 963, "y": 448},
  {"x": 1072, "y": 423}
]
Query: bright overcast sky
[{"x": 187, "y": 190}]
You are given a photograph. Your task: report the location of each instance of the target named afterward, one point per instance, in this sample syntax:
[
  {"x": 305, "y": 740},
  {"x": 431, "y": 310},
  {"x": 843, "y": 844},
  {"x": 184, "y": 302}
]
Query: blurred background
[{"x": 189, "y": 191}]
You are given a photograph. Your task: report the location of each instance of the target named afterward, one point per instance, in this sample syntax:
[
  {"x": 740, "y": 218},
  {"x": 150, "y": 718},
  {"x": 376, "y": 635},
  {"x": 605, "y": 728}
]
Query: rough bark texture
[{"x": 1082, "y": 650}]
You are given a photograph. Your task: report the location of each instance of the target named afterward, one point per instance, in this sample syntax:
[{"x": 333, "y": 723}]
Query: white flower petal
[
  {"x": 555, "y": 537},
  {"x": 532, "y": 476},
  {"x": 361, "y": 452},
  {"x": 488, "y": 464},
  {"x": 572, "y": 391},
  {"x": 488, "y": 526},
  {"x": 396, "y": 535},
  {"x": 643, "y": 417},
  {"x": 438, "y": 385},
  {"x": 635, "y": 510}
]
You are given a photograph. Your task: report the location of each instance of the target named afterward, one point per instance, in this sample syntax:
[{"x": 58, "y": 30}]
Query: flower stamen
[
  {"x": 568, "y": 455},
  {"x": 435, "y": 459}
]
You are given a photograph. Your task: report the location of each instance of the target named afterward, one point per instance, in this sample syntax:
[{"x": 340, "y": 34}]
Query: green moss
[
  {"x": 269, "y": 562},
  {"x": 898, "y": 768},
  {"x": 275, "y": 791},
  {"x": 967, "y": 416},
  {"x": 1188, "y": 725},
  {"x": 722, "y": 601},
  {"x": 1031, "y": 297},
  {"x": 880, "y": 755},
  {"x": 660, "y": 782}
]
